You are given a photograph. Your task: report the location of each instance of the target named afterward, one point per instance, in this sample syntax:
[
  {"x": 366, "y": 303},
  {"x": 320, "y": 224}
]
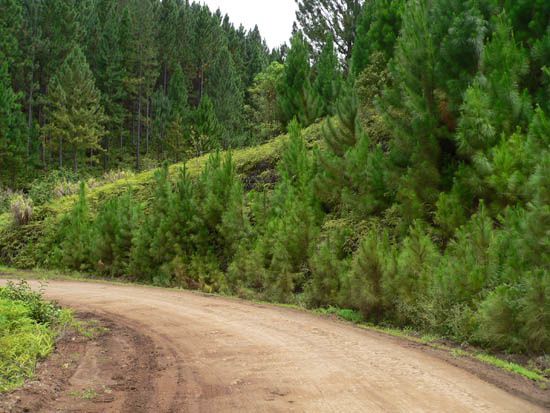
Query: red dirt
[{"x": 176, "y": 351}]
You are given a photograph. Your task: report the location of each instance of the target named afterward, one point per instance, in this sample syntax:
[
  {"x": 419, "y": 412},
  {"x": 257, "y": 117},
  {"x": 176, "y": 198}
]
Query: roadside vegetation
[
  {"x": 29, "y": 326},
  {"x": 412, "y": 187}
]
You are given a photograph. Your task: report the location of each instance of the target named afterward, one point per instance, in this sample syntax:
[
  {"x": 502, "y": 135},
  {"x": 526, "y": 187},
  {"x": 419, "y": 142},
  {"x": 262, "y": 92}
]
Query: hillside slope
[{"x": 19, "y": 244}]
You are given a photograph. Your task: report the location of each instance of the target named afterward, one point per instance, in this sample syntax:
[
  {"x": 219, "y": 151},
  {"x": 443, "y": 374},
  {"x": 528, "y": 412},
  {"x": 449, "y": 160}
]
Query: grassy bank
[
  {"x": 20, "y": 245},
  {"x": 29, "y": 326}
]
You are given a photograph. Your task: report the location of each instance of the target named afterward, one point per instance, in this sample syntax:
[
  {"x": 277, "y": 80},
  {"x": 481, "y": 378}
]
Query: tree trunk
[
  {"x": 29, "y": 120},
  {"x": 165, "y": 81},
  {"x": 138, "y": 140},
  {"x": 60, "y": 153},
  {"x": 201, "y": 84},
  {"x": 44, "y": 165},
  {"x": 75, "y": 160},
  {"x": 147, "y": 127},
  {"x": 106, "y": 145}
]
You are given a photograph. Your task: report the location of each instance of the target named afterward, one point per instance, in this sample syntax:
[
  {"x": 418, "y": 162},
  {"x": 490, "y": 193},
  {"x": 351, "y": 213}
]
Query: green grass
[
  {"x": 91, "y": 329},
  {"x": 343, "y": 313},
  {"x": 28, "y": 329},
  {"x": 86, "y": 394},
  {"x": 511, "y": 367}
]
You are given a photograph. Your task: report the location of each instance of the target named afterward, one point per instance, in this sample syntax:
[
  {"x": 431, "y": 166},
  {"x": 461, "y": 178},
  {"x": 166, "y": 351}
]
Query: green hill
[{"x": 20, "y": 245}]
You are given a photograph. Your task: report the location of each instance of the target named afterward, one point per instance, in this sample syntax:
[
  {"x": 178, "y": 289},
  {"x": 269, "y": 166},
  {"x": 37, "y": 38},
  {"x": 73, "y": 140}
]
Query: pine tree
[
  {"x": 329, "y": 265},
  {"x": 293, "y": 226},
  {"x": 318, "y": 18},
  {"x": 371, "y": 277},
  {"x": 503, "y": 64},
  {"x": 220, "y": 195},
  {"x": 206, "y": 41},
  {"x": 62, "y": 33},
  {"x": 178, "y": 116},
  {"x": 256, "y": 55},
  {"x": 11, "y": 21},
  {"x": 411, "y": 112},
  {"x": 328, "y": 79},
  {"x": 263, "y": 111},
  {"x": 416, "y": 262},
  {"x": 113, "y": 230},
  {"x": 297, "y": 98},
  {"x": 354, "y": 171},
  {"x": 75, "y": 115},
  {"x": 168, "y": 40},
  {"x": 111, "y": 79},
  {"x": 226, "y": 91},
  {"x": 11, "y": 130},
  {"x": 529, "y": 19},
  {"x": 144, "y": 66},
  {"x": 76, "y": 233},
  {"x": 31, "y": 42},
  {"x": 206, "y": 133},
  {"x": 150, "y": 249},
  {"x": 377, "y": 31}
]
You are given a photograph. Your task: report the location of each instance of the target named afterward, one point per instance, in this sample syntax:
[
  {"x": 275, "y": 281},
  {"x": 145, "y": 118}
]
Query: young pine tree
[
  {"x": 297, "y": 97},
  {"x": 220, "y": 195},
  {"x": 370, "y": 281},
  {"x": 353, "y": 171},
  {"x": 149, "y": 247},
  {"x": 417, "y": 261},
  {"x": 293, "y": 225},
  {"x": 377, "y": 31},
  {"x": 113, "y": 230},
  {"x": 76, "y": 234},
  {"x": 328, "y": 80}
]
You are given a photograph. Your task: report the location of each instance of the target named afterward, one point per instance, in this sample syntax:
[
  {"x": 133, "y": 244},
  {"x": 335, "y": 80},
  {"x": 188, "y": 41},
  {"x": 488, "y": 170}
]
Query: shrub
[
  {"x": 28, "y": 326},
  {"x": 43, "y": 189},
  {"x": 76, "y": 235},
  {"x": 327, "y": 269},
  {"x": 116, "y": 175},
  {"x": 39, "y": 310},
  {"x": 22, "y": 342},
  {"x": 113, "y": 230},
  {"x": 371, "y": 277},
  {"x": 21, "y": 209},
  {"x": 149, "y": 249},
  {"x": 6, "y": 195},
  {"x": 416, "y": 263}
]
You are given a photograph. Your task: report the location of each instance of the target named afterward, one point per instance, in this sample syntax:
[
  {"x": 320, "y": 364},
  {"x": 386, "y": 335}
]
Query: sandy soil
[{"x": 176, "y": 351}]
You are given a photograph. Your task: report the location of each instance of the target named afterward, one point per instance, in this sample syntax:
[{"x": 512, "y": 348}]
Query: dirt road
[{"x": 218, "y": 355}]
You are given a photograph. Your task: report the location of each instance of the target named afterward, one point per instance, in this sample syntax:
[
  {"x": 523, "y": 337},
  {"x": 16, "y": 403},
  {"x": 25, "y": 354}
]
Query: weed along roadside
[{"x": 29, "y": 328}]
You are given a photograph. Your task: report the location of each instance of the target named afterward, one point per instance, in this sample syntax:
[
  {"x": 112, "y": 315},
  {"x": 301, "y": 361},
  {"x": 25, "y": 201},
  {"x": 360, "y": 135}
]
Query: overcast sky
[{"x": 273, "y": 17}]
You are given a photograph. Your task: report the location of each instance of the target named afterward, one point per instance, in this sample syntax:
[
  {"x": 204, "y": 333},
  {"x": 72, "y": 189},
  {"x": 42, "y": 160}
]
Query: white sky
[{"x": 273, "y": 17}]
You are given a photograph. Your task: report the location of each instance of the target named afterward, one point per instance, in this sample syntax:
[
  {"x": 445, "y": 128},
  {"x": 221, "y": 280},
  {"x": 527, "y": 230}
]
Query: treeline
[
  {"x": 426, "y": 205},
  {"x": 102, "y": 84}
]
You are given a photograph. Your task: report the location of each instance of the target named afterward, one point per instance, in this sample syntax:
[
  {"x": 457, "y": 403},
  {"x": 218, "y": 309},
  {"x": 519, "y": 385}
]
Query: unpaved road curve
[{"x": 221, "y": 355}]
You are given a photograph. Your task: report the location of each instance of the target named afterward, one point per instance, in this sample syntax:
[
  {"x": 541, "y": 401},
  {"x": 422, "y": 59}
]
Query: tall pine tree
[{"x": 75, "y": 115}]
